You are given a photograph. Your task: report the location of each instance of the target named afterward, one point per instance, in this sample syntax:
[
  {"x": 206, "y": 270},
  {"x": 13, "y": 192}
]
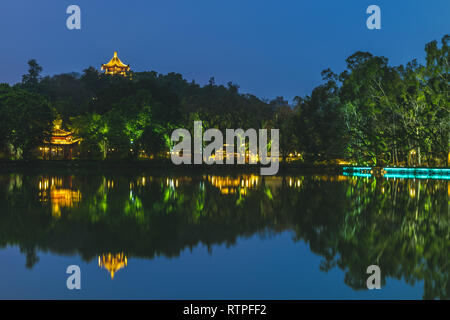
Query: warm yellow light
[
  {"x": 113, "y": 262},
  {"x": 115, "y": 66}
]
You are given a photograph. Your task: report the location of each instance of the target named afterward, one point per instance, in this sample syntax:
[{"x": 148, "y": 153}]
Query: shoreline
[
  {"x": 153, "y": 166},
  {"x": 162, "y": 166}
]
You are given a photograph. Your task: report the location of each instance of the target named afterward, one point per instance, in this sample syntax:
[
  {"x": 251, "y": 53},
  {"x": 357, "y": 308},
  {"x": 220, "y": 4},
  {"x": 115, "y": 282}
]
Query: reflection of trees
[
  {"x": 30, "y": 256},
  {"x": 401, "y": 225},
  {"x": 405, "y": 230}
]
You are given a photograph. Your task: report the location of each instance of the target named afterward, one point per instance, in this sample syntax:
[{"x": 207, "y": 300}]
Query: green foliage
[
  {"x": 93, "y": 129},
  {"x": 371, "y": 113},
  {"x": 31, "y": 80},
  {"x": 26, "y": 121},
  {"x": 320, "y": 124},
  {"x": 285, "y": 121},
  {"x": 380, "y": 115}
]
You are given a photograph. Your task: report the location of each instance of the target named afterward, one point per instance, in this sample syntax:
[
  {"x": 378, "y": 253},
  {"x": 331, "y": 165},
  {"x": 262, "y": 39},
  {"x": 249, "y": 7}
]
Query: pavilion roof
[
  {"x": 115, "y": 63},
  {"x": 60, "y": 132}
]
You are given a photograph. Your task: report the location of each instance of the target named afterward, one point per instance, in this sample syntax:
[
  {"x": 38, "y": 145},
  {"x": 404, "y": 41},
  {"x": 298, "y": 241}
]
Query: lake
[{"x": 239, "y": 236}]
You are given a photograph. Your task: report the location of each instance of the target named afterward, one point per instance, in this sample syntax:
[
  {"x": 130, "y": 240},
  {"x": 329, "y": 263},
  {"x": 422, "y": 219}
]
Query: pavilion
[
  {"x": 115, "y": 66},
  {"x": 61, "y": 145}
]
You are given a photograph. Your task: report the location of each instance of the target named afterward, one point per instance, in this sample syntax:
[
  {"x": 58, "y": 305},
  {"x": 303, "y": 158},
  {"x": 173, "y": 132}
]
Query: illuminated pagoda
[
  {"x": 112, "y": 262},
  {"x": 61, "y": 144},
  {"x": 115, "y": 66}
]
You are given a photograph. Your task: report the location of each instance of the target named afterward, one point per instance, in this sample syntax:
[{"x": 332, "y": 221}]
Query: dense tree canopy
[{"x": 371, "y": 113}]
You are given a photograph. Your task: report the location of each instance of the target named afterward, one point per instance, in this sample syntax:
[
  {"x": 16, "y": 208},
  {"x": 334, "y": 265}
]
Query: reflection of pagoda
[
  {"x": 52, "y": 190},
  {"x": 115, "y": 66},
  {"x": 228, "y": 185},
  {"x": 112, "y": 262}
]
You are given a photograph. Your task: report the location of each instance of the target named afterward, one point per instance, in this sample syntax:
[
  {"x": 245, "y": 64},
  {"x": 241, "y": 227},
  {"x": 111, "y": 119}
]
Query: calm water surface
[{"x": 223, "y": 237}]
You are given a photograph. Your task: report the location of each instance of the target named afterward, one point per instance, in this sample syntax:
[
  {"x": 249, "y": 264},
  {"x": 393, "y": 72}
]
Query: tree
[
  {"x": 368, "y": 107},
  {"x": 436, "y": 77},
  {"x": 153, "y": 140},
  {"x": 320, "y": 124},
  {"x": 284, "y": 120},
  {"x": 29, "y": 121},
  {"x": 92, "y": 129},
  {"x": 31, "y": 80},
  {"x": 4, "y": 123}
]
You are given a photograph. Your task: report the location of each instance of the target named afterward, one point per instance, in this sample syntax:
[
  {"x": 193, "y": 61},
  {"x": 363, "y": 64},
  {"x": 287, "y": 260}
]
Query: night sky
[{"x": 269, "y": 48}]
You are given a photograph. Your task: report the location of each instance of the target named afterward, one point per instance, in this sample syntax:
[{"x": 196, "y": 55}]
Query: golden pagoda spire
[{"x": 115, "y": 66}]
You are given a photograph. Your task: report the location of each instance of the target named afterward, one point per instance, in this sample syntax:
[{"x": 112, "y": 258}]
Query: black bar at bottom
[{"x": 225, "y": 309}]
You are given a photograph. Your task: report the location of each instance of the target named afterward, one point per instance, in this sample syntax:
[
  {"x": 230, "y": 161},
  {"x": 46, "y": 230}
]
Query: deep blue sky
[{"x": 269, "y": 48}]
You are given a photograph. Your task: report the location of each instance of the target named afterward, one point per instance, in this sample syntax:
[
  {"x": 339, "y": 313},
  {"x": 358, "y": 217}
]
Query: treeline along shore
[
  {"x": 153, "y": 167},
  {"x": 371, "y": 113}
]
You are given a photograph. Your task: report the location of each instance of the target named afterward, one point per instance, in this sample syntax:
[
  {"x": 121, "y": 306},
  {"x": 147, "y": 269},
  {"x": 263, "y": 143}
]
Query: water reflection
[
  {"x": 232, "y": 185},
  {"x": 112, "y": 262},
  {"x": 402, "y": 225},
  {"x": 53, "y": 190}
]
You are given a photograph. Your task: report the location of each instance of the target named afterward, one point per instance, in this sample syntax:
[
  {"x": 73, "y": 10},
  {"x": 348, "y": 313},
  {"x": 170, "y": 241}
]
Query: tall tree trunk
[
  {"x": 418, "y": 148},
  {"x": 419, "y": 162}
]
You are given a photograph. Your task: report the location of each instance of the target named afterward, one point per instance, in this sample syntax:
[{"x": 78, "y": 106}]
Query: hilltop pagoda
[{"x": 115, "y": 66}]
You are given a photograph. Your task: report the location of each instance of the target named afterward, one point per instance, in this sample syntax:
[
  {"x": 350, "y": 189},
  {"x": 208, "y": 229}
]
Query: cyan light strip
[
  {"x": 431, "y": 171},
  {"x": 416, "y": 176},
  {"x": 401, "y": 173},
  {"x": 357, "y": 174},
  {"x": 356, "y": 168}
]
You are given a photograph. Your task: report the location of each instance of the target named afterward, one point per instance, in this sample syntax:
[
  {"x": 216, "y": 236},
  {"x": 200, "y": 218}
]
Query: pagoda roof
[
  {"x": 115, "y": 63},
  {"x": 61, "y": 137},
  {"x": 60, "y": 132}
]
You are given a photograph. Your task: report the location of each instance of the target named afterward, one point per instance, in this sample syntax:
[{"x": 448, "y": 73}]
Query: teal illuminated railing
[
  {"x": 416, "y": 176},
  {"x": 430, "y": 171},
  {"x": 357, "y": 174},
  {"x": 357, "y": 169},
  {"x": 400, "y": 173}
]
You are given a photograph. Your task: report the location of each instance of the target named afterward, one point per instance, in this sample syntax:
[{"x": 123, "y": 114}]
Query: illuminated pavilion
[
  {"x": 61, "y": 144},
  {"x": 115, "y": 66}
]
